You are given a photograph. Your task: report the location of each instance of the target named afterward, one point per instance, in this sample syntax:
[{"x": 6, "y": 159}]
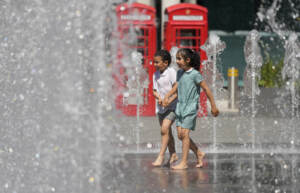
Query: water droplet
[
  {"x": 56, "y": 148},
  {"x": 126, "y": 94},
  {"x": 122, "y": 8},
  {"x": 78, "y": 13},
  {"x": 108, "y": 107},
  {"x": 122, "y": 175},
  {"x": 149, "y": 145},
  {"x": 101, "y": 82},
  {"x": 91, "y": 180},
  {"x": 141, "y": 124},
  {"x": 21, "y": 97},
  {"x": 259, "y": 185},
  {"x": 260, "y": 16}
]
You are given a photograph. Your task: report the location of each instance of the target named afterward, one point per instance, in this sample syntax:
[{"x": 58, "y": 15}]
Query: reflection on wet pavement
[{"x": 223, "y": 173}]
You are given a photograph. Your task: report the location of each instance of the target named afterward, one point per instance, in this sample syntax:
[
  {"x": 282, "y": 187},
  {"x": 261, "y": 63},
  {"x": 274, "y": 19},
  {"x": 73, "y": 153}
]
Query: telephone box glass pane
[
  {"x": 188, "y": 33},
  {"x": 188, "y": 38},
  {"x": 186, "y": 43},
  {"x": 139, "y": 31},
  {"x": 141, "y": 42}
]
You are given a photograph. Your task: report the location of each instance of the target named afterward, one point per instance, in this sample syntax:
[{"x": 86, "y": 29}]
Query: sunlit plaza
[{"x": 79, "y": 114}]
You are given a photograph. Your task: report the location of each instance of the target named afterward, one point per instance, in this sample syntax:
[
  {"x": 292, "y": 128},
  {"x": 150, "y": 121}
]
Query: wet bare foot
[
  {"x": 158, "y": 162},
  {"x": 180, "y": 166},
  {"x": 200, "y": 156},
  {"x": 173, "y": 158}
]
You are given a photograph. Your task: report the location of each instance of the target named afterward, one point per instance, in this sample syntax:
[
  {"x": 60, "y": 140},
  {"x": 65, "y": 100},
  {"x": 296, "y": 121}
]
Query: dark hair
[
  {"x": 165, "y": 55},
  {"x": 192, "y": 55}
]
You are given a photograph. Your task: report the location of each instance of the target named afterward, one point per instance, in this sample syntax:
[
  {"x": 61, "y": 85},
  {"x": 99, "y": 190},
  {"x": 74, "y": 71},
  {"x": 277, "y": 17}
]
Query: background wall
[{"x": 230, "y": 15}]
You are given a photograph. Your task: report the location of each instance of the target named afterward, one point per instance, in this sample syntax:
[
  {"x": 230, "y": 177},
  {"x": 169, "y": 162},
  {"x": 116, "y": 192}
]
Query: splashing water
[
  {"x": 284, "y": 24},
  {"x": 291, "y": 74},
  {"x": 213, "y": 47},
  {"x": 137, "y": 83},
  {"x": 137, "y": 78},
  {"x": 278, "y": 25},
  {"x": 254, "y": 61},
  {"x": 57, "y": 115},
  {"x": 252, "y": 75},
  {"x": 291, "y": 69},
  {"x": 173, "y": 52}
]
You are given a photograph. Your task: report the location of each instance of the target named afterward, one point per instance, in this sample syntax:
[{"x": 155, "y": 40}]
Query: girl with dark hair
[
  {"x": 193, "y": 56},
  {"x": 187, "y": 87}
]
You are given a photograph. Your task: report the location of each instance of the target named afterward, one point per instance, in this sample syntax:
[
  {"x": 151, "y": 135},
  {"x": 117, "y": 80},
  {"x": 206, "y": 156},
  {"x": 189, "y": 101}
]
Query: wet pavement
[
  {"x": 221, "y": 173},
  {"x": 232, "y": 133}
]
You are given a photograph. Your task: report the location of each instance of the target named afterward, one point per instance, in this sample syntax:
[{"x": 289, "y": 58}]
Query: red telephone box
[
  {"x": 141, "y": 19},
  {"x": 186, "y": 26}
]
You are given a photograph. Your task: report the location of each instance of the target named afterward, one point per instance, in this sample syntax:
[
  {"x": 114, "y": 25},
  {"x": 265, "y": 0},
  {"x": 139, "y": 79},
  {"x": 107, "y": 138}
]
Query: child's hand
[
  {"x": 214, "y": 111},
  {"x": 160, "y": 101},
  {"x": 165, "y": 102}
]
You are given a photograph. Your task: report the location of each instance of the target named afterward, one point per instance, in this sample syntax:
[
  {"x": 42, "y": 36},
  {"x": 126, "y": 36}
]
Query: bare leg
[
  {"x": 165, "y": 128},
  {"x": 198, "y": 153},
  {"x": 171, "y": 147},
  {"x": 184, "y": 136}
]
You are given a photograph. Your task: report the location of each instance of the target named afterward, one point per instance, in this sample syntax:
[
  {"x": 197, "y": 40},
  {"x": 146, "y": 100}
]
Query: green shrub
[{"x": 271, "y": 74}]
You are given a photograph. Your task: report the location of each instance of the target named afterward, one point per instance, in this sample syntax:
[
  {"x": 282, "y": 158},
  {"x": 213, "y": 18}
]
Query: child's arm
[
  {"x": 156, "y": 95},
  {"x": 214, "y": 109},
  {"x": 168, "y": 99}
]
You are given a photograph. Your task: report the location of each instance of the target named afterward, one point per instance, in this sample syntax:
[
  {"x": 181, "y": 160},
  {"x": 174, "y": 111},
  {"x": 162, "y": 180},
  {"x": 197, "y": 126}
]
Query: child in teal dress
[{"x": 189, "y": 82}]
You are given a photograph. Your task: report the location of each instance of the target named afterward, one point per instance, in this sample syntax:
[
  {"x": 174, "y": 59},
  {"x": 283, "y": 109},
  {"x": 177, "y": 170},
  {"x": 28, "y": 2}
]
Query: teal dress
[{"x": 188, "y": 98}]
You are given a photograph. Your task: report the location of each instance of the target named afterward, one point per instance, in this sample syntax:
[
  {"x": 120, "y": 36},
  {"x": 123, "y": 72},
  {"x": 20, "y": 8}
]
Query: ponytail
[
  {"x": 196, "y": 60},
  {"x": 192, "y": 55}
]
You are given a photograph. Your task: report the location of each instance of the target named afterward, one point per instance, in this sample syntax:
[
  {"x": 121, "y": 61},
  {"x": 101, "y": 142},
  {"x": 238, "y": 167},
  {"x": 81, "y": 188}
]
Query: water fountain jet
[{"x": 213, "y": 48}]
